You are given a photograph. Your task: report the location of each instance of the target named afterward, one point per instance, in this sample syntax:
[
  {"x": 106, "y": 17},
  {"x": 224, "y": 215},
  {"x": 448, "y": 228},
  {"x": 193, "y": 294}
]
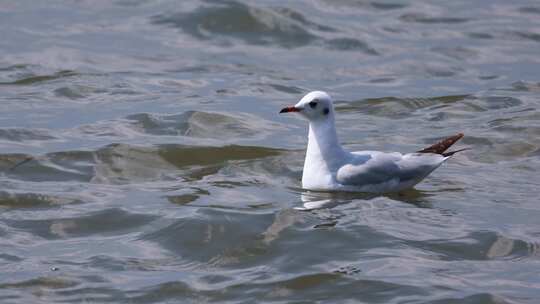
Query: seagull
[{"x": 328, "y": 167}]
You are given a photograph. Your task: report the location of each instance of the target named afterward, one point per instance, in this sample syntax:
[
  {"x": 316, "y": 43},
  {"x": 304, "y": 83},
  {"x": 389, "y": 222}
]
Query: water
[{"x": 143, "y": 159}]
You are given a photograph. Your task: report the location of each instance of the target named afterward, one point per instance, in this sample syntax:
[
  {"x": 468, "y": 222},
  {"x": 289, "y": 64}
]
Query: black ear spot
[
  {"x": 313, "y": 104},
  {"x": 326, "y": 111}
]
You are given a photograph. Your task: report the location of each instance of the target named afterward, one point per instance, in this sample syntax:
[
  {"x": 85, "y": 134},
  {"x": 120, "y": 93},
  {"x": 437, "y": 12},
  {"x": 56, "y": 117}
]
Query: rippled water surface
[{"x": 143, "y": 160}]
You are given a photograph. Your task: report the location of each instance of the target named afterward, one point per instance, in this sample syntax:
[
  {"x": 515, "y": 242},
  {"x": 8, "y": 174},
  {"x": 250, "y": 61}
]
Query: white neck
[{"x": 324, "y": 154}]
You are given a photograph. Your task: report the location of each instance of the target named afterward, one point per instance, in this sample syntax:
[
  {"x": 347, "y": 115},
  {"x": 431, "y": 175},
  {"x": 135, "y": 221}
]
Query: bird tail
[{"x": 443, "y": 145}]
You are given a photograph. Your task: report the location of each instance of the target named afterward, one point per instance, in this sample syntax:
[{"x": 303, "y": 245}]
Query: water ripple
[
  {"x": 250, "y": 24},
  {"x": 143, "y": 159},
  {"x": 111, "y": 222}
]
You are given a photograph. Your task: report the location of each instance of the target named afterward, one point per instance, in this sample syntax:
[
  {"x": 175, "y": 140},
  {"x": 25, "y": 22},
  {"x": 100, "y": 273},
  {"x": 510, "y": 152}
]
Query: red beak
[{"x": 289, "y": 109}]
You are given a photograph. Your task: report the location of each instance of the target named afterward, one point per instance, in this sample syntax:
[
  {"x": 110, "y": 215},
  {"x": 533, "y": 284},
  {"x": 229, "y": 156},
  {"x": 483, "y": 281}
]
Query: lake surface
[{"x": 143, "y": 160}]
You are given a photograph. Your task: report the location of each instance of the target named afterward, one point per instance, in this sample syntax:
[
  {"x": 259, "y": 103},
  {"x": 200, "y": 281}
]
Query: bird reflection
[
  {"x": 326, "y": 200},
  {"x": 318, "y": 207}
]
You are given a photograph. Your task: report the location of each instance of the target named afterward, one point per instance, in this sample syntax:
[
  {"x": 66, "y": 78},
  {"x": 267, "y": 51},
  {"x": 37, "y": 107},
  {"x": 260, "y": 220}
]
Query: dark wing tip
[
  {"x": 446, "y": 154},
  {"x": 443, "y": 145}
]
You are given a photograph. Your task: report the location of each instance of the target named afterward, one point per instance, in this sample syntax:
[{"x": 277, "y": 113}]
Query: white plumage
[{"x": 329, "y": 167}]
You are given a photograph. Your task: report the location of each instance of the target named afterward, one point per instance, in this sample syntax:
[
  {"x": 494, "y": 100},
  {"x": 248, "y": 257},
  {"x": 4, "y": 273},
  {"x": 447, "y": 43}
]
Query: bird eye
[{"x": 313, "y": 104}]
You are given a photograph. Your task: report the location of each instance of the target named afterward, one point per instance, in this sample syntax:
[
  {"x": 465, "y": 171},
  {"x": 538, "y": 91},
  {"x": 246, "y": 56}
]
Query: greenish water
[{"x": 142, "y": 158}]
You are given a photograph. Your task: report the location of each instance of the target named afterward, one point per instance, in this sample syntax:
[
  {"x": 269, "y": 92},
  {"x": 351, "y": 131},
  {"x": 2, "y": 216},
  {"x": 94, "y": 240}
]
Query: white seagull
[{"x": 328, "y": 167}]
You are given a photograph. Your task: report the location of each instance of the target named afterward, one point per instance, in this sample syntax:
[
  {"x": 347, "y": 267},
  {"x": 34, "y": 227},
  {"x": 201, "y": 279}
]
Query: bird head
[{"x": 314, "y": 106}]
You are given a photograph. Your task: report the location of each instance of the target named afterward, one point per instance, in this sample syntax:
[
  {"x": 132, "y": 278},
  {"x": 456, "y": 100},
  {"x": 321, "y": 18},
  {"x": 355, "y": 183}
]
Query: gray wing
[{"x": 372, "y": 168}]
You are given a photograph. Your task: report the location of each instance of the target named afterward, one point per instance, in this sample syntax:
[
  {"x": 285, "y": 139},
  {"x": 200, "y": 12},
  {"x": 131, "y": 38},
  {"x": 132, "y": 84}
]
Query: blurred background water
[{"x": 154, "y": 168}]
